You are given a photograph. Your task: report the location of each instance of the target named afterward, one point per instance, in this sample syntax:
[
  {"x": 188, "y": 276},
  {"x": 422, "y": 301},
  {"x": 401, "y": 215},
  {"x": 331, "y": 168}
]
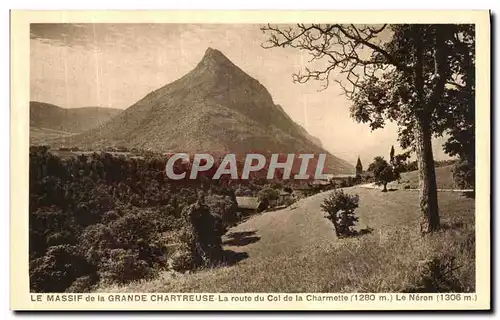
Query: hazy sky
[{"x": 115, "y": 65}]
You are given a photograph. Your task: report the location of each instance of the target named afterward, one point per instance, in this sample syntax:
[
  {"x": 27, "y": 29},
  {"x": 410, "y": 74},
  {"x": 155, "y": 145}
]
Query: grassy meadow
[
  {"x": 444, "y": 179},
  {"x": 296, "y": 250}
]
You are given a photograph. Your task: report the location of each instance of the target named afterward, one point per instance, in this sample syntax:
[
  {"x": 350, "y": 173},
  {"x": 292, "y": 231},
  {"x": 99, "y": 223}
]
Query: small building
[
  {"x": 250, "y": 204},
  {"x": 321, "y": 182}
]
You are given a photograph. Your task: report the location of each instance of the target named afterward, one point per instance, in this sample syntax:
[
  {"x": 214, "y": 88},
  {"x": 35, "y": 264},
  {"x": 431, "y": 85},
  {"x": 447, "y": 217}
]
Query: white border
[{"x": 214, "y": 4}]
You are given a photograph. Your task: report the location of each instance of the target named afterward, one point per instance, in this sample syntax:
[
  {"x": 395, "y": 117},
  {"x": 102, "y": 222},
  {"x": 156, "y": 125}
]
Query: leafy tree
[
  {"x": 340, "y": 207},
  {"x": 123, "y": 266},
  {"x": 412, "y": 166},
  {"x": 399, "y": 162},
  {"x": 106, "y": 218},
  {"x": 456, "y": 114},
  {"x": 383, "y": 172},
  {"x": 204, "y": 232},
  {"x": 267, "y": 194},
  {"x": 56, "y": 270},
  {"x": 399, "y": 73},
  {"x": 223, "y": 207},
  {"x": 464, "y": 174}
]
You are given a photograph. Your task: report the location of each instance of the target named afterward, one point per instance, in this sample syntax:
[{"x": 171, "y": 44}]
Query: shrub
[
  {"x": 60, "y": 238},
  {"x": 123, "y": 266},
  {"x": 288, "y": 189},
  {"x": 224, "y": 208},
  {"x": 367, "y": 177},
  {"x": 464, "y": 175},
  {"x": 436, "y": 275},
  {"x": 340, "y": 207},
  {"x": 109, "y": 216},
  {"x": 102, "y": 215},
  {"x": 267, "y": 194},
  {"x": 94, "y": 241},
  {"x": 202, "y": 234},
  {"x": 182, "y": 259},
  {"x": 49, "y": 226},
  {"x": 82, "y": 284},
  {"x": 134, "y": 227},
  {"x": 56, "y": 271},
  {"x": 277, "y": 185},
  {"x": 243, "y": 191}
]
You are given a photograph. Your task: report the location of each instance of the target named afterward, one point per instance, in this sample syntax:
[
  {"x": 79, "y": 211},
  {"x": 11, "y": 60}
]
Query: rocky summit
[{"x": 216, "y": 107}]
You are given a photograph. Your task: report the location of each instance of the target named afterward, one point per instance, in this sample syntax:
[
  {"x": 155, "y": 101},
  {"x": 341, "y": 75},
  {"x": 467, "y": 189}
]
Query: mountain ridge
[
  {"x": 75, "y": 120},
  {"x": 49, "y": 122},
  {"x": 216, "y": 106}
]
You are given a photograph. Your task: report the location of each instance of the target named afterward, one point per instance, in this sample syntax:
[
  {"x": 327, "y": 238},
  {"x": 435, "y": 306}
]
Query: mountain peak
[
  {"x": 216, "y": 106},
  {"x": 215, "y": 56},
  {"x": 215, "y": 63},
  {"x": 213, "y": 53}
]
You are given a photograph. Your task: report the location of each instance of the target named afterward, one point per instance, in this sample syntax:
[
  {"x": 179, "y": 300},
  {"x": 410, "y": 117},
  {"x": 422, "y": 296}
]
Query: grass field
[
  {"x": 40, "y": 136},
  {"x": 444, "y": 179},
  {"x": 296, "y": 250}
]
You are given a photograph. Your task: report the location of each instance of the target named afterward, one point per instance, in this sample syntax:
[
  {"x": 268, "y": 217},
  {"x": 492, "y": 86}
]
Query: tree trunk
[
  {"x": 385, "y": 187},
  {"x": 429, "y": 213}
]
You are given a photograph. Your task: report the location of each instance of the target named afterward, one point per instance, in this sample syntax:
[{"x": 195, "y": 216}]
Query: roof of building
[
  {"x": 321, "y": 182},
  {"x": 248, "y": 202},
  {"x": 358, "y": 164}
]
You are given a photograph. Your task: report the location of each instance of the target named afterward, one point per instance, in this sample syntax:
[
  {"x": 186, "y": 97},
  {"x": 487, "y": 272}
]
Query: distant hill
[
  {"x": 49, "y": 122},
  {"x": 75, "y": 120},
  {"x": 444, "y": 178},
  {"x": 216, "y": 107}
]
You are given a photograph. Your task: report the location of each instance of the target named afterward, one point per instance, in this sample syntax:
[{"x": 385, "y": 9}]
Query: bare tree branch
[{"x": 338, "y": 45}]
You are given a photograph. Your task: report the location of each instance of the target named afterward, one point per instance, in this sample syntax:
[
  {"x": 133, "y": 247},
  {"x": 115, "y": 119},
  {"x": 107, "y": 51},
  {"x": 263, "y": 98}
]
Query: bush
[
  {"x": 464, "y": 174},
  {"x": 367, "y": 177},
  {"x": 437, "y": 275},
  {"x": 55, "y": 271},
  {"x": 348, "y": 182},
  {"x": 340, "y": 210},
  {"x": 224, "y": 208},
  {"x": 182, "y": 259},
  {"x": 133, "y": 228},
  {"x": 82, "y": 284},
  {"x": 267, "y": 194},
  {"x": 123, "y": 266},
  {"x": 106, "y": 216},
  {"x": 49, "y": 226},
  {"x": 202, "y": 234},
  {"x": 94, "y": 241}
]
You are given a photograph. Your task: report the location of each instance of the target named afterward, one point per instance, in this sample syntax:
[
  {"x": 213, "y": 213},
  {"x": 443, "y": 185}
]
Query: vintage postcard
[{"x": 253, "y": 160}]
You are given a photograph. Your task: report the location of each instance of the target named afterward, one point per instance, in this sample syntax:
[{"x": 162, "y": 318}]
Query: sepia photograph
[{"x": 231, "y": 158}]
